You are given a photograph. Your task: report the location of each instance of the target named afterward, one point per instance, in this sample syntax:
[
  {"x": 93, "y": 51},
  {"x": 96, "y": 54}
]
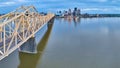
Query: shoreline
[{"x": 90, "y": 15}]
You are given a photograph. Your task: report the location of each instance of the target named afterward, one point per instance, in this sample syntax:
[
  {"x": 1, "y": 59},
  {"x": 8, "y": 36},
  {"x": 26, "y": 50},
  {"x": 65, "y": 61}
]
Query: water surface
[{"x": 72, "y": 43}]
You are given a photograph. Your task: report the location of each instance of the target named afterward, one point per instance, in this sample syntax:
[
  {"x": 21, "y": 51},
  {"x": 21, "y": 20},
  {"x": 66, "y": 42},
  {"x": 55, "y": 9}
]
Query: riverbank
[{"x": 91, "y": 15}]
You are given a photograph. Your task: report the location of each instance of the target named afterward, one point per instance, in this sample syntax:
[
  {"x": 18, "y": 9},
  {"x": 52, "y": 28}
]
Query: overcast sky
[{"x": 86, "y": 6}]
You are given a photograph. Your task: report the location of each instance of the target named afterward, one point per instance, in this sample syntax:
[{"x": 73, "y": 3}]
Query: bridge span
[{"x": 18, "y": 26}]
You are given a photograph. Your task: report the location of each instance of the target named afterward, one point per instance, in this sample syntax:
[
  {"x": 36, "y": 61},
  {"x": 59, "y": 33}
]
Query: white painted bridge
[{"x": 18, "y": 26}]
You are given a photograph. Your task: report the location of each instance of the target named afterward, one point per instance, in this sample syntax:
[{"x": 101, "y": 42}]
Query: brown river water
[{"x": 71, "y": 43}]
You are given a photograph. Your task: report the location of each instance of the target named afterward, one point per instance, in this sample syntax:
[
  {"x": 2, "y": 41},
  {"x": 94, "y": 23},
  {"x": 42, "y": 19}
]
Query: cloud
[
  {"x": 53, "y": 5},
  {"x": 27, "y": 1},
  {"x": 101, "y": 10},
  {"x": 21, "y": 0},
  {"x": 7, "y": 3},
  {"x": 115, "y": 1},
  {"x": 95, "y": 9},
  {"x": 100, "y": 0}
]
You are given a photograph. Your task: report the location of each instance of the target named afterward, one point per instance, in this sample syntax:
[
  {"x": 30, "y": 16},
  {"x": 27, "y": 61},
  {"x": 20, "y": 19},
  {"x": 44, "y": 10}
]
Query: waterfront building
[
  {"x": 69, "y": 12},
  {"x": 75, "y": 12}
]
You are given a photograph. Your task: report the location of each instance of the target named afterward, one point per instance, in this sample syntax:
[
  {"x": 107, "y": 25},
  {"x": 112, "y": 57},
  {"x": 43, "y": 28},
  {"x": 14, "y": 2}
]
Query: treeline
[
  {"x": 109, "y": 15},
  {"x": 99, "y": 15}
]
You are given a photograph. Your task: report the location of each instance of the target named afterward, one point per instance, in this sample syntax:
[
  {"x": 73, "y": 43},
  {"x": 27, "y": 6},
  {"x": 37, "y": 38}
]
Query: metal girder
[{"x": 18, "y": 26}]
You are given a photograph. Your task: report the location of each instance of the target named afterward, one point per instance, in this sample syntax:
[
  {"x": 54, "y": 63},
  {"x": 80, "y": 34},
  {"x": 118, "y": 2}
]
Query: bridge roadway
[{"x": 18, "y": 26}]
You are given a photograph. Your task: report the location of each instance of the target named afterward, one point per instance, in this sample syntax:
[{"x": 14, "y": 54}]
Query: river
[{"x": 71, "y": 43}]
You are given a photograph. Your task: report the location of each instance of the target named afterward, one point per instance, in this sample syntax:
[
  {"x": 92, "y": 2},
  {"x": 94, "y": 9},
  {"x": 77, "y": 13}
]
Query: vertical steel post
[
  {"x": 4, "y": 45},
  {"x": 23, "y": 27}
]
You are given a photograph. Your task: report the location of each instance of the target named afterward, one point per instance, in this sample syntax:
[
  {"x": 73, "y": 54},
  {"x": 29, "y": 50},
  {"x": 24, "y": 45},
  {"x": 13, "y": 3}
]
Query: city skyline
[{"x": 86, "y": 6}]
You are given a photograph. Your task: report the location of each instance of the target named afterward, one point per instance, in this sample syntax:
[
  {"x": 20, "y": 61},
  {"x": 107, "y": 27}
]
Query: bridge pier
[{"x": 29, "y": 46}]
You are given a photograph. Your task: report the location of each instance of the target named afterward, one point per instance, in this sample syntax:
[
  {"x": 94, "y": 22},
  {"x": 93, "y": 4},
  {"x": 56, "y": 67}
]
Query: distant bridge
[{"x": 18, "y": 26}]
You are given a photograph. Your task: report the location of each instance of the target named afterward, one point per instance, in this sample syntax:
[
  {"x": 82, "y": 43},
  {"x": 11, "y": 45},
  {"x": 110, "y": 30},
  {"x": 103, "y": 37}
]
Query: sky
[{"x": 86, "y": 6}]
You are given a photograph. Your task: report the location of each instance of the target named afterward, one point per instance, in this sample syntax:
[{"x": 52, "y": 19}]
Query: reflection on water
[
  {"x": 76, "y": 20},
  {"x": 73, "y": 43},
  {"x": 70, "y": 20},
  {"x": 94, "y": 43},
  {"x": 30, "y": 60}
]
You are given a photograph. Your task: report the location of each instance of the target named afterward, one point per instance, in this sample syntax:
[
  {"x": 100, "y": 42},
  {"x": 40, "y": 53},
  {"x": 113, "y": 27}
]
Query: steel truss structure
[{"x": 18, "y": 26}]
